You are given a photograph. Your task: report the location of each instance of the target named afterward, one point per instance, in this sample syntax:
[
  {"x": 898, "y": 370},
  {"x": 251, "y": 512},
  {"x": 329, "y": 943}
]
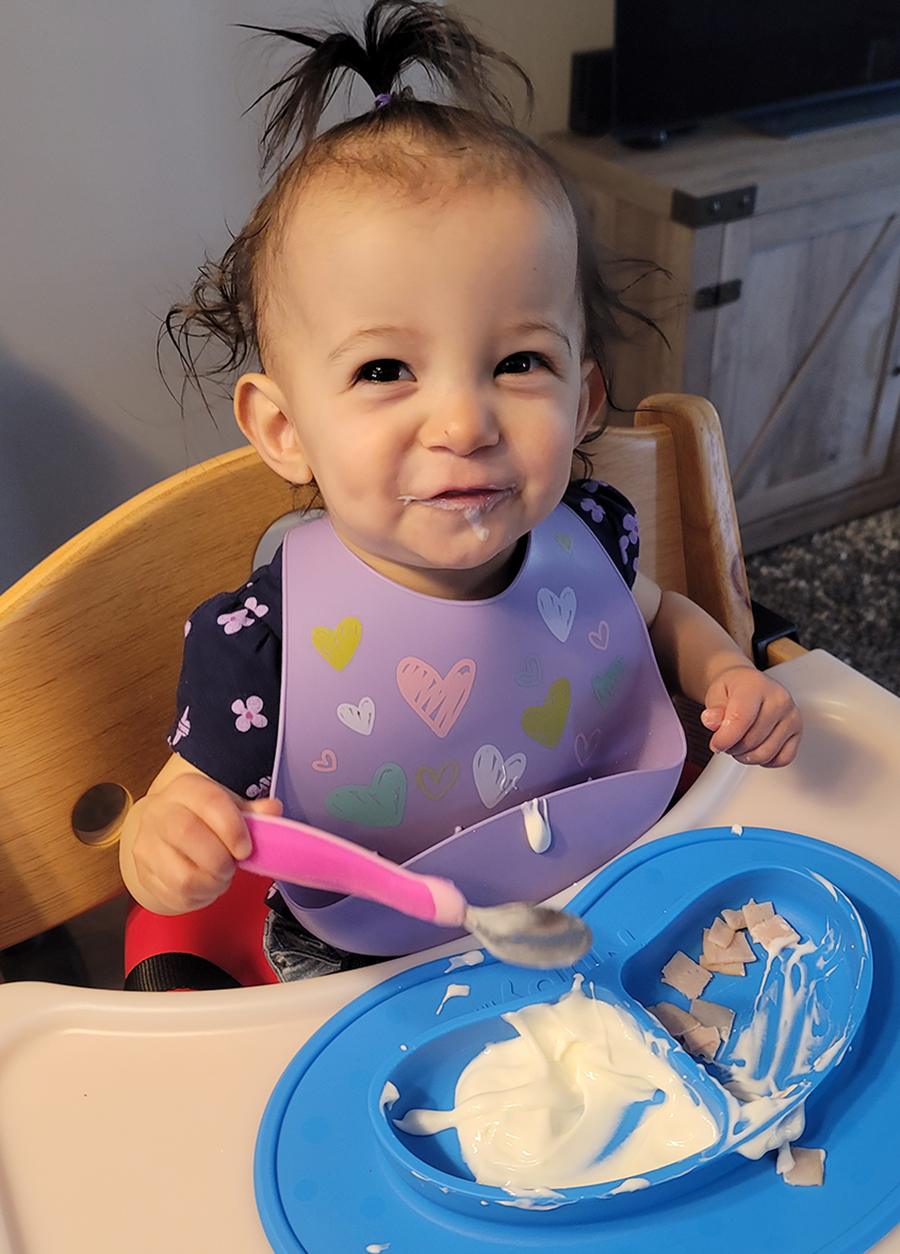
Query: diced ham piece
[
  {"x": 675, "y": 1020},
  {"x": 712, "y": 1015},
  {"x": 774, "y": 933},
  {"x": 720, "y": 934},
  {"x": 734, "y": 919},
  {"x": 755, "y": 912},
  {"x": 683, "y": 974},
  {"x": 738, "y": 951},
  {"x": 702, "y": 1040},
  {"x": 722, "y": 968},
  {"x": 808, "y": 1168}
]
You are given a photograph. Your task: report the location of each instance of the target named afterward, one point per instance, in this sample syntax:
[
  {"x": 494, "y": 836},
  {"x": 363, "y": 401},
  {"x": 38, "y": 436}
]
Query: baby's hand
[
  {"x": 190, "y": 834},
  {"x": 753, "y": 718}
]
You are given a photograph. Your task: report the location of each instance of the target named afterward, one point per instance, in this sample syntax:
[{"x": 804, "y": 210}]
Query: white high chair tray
[{"x": 128, "y": 1121}]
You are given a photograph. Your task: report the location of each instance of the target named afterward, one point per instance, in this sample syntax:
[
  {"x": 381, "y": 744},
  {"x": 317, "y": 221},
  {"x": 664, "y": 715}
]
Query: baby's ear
[
  {"x": 593, "y": 396},
  {"x": 261, "y": 412}
]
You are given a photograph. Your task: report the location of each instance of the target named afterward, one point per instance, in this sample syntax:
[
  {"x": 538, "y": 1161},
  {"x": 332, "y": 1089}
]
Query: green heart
[
  {"x": 604, "y": 683},
  {"x": 529, "y": 673},
  {"x": 546, "y": 723},
  {"x": 380, "y": 805},
  {"x": 564, "y": 540}
]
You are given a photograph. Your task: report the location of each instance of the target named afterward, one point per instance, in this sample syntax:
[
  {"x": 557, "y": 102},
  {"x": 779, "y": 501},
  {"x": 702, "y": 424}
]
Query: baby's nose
[{"x": 462, "y": 421}]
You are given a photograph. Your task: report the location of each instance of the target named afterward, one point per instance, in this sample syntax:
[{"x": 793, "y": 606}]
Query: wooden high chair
[{"x": 90, "y": 640}]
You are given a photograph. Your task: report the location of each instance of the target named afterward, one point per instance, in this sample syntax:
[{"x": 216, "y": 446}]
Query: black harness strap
[{"x": 167, "y": 973}]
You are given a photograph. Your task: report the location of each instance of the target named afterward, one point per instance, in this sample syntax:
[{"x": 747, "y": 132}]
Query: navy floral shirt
[{"x": 230, "y": 686}]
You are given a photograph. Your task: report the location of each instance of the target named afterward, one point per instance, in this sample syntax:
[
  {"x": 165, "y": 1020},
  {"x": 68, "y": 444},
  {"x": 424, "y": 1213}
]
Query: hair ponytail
[{"x": 397, "y": 34}]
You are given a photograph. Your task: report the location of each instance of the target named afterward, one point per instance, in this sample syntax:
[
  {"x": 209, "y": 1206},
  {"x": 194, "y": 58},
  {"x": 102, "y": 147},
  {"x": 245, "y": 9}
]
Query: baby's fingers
[
  {"x": 739, "y": 716},
  {"x": 777, "y": 749},
  {"x": 179, "y": 882},
  {"x": 265, "y": 805},
  {"x": 201, "y": 809},
  {"x": 774, "y": 737}
]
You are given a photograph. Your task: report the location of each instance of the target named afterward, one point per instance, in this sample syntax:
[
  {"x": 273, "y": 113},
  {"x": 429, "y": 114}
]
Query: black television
[{"x": 786, "y": 66}]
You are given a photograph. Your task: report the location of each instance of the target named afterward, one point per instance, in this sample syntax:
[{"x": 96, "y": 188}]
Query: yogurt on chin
[{"x": 539, "y": 1111}]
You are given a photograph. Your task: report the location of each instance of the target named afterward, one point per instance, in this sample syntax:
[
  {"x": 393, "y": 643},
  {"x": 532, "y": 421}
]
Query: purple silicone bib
[{"x": 417, "y": 726}]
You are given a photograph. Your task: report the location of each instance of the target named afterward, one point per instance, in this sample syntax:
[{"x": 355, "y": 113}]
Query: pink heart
[
  {"x": 600, "y": 638},
  {"x": 327, "y": 762},
  {"x": 438, "y": 702},
  {"x": 587, "y": 746}
]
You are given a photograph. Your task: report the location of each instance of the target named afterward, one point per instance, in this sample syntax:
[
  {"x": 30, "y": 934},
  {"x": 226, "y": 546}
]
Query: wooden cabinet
[{"x": 782, "y": 306}]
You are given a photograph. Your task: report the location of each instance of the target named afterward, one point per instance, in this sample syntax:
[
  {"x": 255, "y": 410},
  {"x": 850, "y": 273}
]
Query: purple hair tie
[{"x": 383, "y": 99}]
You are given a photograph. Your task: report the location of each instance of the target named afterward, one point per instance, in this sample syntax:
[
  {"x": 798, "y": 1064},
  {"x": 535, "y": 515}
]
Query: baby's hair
[{"x": 226, "y": 310}]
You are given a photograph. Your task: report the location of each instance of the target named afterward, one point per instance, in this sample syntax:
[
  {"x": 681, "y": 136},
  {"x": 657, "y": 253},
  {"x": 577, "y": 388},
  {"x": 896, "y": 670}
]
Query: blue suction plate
[{"x": 332, "y": 1173}]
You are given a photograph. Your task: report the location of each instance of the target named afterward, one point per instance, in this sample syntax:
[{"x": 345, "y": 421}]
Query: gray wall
[{"x": 124, "y": 156}]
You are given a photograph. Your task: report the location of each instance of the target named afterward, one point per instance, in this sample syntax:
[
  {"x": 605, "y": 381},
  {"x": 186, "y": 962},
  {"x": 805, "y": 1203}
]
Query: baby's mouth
[
  {"x": 473, "y": 503},
  {"x": 479, "y": 499}
]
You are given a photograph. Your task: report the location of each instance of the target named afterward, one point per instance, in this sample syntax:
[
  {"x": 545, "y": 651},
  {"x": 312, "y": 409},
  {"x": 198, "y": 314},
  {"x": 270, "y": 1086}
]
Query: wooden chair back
[{"x": 90, "y": 640}]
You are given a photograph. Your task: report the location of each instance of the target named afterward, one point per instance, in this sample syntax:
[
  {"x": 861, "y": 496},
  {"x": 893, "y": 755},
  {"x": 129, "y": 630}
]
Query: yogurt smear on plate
[{"x": 581, "y": 1096}]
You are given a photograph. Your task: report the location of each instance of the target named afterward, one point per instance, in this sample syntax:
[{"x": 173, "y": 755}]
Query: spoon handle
[{"x": 286, "y": 850}]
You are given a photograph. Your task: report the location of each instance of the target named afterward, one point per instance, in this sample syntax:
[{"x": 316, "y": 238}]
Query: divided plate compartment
[
  {"x": 327, "y": 1136},
  {"x": 425, "y": 1077},
  {"x": 835, "y": 977}
]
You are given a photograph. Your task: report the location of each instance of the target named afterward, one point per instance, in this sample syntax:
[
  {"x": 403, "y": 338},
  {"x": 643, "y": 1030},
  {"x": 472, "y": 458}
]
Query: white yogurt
[
  {"x": 537, "y": 824},
  {"x": 473, "y": 517},
  {"x": 540, "y": 1110},
  {"x": 389, "y": 1095},
  {"x": 471, "y": 958},
  {"x": 453, "y": 990}
]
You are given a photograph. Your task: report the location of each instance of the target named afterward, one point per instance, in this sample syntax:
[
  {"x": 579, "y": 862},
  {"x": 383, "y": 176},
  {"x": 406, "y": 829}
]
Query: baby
[{"x": 430, "y": 328}]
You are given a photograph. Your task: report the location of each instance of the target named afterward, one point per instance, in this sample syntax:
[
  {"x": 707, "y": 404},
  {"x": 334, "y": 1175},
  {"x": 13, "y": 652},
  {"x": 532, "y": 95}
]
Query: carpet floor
[{"x": 842, "y": 589}]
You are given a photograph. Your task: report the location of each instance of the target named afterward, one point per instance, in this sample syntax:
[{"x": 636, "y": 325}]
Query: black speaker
[{"x": 590, "y": 97}]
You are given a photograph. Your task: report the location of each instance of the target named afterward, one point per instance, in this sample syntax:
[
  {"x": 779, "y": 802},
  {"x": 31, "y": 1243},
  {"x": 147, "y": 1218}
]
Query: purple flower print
[
  {"x": 249, "y": 714},
  {"x": 630, "y": 538},
  {"x": 237, "y": 619},
  {"x": 596, "y": 511},
  {"x": 255, "y": 791}
]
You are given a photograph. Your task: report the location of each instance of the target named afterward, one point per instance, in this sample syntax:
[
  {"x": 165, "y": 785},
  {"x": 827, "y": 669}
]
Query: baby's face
[{"x": 428, "y": 356}]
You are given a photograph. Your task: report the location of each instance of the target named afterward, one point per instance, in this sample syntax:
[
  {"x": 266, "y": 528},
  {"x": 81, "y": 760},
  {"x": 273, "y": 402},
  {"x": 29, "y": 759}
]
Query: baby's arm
[
  {"x": 180, "y": 842},
  {"x": 750, "y": 714}
]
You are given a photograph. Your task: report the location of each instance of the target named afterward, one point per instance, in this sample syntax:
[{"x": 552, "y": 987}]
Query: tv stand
[
  {"x": 786, "y": 121},
  {"x": 781, "y": 304},
  {"x": 650, "y": 141},
  {"x": 647, "y": 142}
]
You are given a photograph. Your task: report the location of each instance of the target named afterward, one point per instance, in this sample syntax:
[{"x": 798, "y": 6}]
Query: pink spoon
[{"x": 525, "y": 935}]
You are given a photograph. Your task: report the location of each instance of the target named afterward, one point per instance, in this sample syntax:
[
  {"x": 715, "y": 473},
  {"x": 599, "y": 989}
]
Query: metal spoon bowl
[{"x": 529, "y": 936}]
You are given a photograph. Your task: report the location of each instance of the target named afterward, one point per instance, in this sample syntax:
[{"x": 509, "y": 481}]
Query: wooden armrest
[{"x": 783, "y": 650}]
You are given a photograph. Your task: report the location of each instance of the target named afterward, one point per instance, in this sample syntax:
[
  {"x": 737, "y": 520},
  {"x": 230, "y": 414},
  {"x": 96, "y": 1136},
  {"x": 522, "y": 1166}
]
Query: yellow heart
[
  {"x": 435, "y": 783},
  {"x": 337, "y": 647},
  {"x": 546, "y": 723}
]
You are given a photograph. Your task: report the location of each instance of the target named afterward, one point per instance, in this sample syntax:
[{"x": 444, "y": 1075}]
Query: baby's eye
[
  {"x": 521, "y": 363},
  {"x": 384, "y": 370}
]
